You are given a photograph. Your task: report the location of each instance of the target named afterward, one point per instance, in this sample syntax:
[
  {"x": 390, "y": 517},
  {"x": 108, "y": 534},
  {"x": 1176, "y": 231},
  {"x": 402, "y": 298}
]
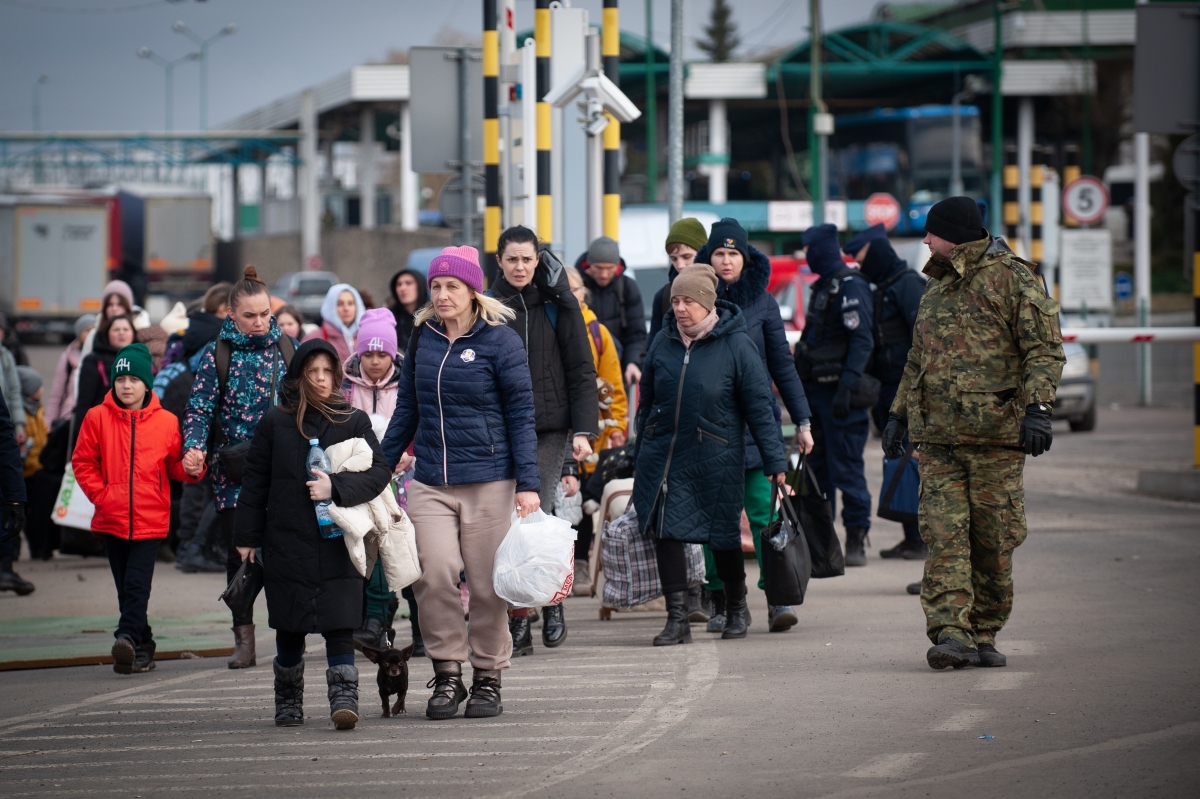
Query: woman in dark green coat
[{"x": 703, "y": 384}]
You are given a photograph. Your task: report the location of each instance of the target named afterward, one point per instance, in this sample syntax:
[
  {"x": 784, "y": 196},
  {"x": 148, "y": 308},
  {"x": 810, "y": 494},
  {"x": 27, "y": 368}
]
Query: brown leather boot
[{"x": 243, "y": 647}]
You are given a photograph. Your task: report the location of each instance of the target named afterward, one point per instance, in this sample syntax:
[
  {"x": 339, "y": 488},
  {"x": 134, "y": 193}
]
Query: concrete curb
[{"x": 1183, "y": 484}]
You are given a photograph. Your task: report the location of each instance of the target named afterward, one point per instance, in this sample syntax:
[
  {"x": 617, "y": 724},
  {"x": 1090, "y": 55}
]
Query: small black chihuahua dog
[{"x": 392, "y": 677}]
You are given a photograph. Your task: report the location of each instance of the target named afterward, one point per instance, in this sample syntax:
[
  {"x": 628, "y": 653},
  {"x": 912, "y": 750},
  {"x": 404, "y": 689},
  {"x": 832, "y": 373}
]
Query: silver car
[
  {"x": 1076, "y": 397},
  {"x": 305, "y": 291}
]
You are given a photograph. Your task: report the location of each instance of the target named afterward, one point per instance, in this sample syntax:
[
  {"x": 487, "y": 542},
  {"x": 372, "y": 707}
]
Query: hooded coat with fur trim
[{"x": 373, "y": 399}]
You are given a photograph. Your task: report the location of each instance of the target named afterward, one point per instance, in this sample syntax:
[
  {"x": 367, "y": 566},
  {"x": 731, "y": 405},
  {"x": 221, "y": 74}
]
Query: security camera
[{"x": 597, "y": 88}]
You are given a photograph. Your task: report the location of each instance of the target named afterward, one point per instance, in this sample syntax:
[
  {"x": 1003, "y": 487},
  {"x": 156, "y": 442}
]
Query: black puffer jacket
[
  {"x": 560, "y": 357},
  {"x": 312, "y": 586}
]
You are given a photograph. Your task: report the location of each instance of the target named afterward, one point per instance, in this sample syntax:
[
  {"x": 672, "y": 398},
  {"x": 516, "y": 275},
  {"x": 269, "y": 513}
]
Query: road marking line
[
  {"x": 888, "y": 766},
  {"x": 962, "y": 720},
  {"x": 136, "y": 778},
  {"x": 276, "y": 758},
  {"x": 1002, "y": 680}
]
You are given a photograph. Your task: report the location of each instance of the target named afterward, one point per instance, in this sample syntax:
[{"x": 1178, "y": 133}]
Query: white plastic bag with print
[{"x": 535, "y": 563}]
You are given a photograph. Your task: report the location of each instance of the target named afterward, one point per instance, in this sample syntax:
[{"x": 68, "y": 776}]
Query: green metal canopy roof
[{"x": 877, "y": 58}]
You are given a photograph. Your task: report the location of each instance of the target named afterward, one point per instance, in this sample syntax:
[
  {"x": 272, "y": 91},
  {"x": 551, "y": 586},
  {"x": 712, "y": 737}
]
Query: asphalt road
[{"x": 1100, "y": 697}]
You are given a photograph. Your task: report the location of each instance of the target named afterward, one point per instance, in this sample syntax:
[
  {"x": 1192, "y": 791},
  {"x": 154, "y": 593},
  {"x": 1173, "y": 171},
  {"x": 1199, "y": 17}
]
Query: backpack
[{"x": 224, "y": 351}]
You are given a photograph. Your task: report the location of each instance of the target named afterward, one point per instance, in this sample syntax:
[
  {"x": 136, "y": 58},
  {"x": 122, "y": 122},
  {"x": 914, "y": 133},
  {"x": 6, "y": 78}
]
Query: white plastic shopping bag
[
  {"x": 535, "y": 564},
  {"x": 72, "y": 508}
]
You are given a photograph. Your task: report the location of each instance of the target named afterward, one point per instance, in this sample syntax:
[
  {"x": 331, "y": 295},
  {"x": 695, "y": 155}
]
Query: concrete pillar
[
  {"x": 1141, "y": 254},
  {"x": 1024, "y": 167},
  {"x": 409, "y": 197},
  {"x": 367, "y": 179},
  {"x": 310, "y": 199},
  {"x": 718, "y": 149}
]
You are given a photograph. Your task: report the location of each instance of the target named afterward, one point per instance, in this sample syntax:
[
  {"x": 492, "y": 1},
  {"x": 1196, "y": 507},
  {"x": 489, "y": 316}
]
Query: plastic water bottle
[{"x": 317, "y": 459}]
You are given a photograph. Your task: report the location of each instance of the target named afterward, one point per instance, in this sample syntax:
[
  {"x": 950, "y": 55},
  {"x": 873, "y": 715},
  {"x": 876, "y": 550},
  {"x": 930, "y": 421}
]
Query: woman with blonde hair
[{"x": 466, "y": 399}]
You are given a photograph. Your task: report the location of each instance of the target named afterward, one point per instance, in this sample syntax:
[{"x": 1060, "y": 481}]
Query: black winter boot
[
  {"x": 554, "y": 626},
  {"x": 343, "y": 695},
  {"x": 678, "y": 629},
  {"x": 716, "y": 622},
  {"x": 737, "y": 614},
  {"x": 855, "y": 539},
  {"x": 522, "y": 635},
  {"x": 695, "y": 604},
  {"x": 448, "y": 690},
  {"x": 485, "y": 696},
  {"x": 289, "y": 694},
  {"x": 373, "y": 635}
]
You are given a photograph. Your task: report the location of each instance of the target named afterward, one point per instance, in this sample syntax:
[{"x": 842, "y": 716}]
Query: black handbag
[
  {"x": 243, "y": 589},
  {"x": 787, "y": 564},
  {"x": 816, "y": 519}
]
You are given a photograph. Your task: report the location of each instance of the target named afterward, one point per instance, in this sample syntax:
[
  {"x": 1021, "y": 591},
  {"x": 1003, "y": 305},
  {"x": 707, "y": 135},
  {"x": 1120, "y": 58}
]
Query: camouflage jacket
[{"x": 985, "y": 345}]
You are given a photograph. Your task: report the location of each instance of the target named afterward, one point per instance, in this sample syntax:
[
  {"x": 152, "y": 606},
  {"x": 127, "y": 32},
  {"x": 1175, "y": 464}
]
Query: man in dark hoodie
[
  {"x": 566, "y": 411},
  {"x": 896, "y": 296},
  {"x": 831, "y": 357},
  {"x": 408, "y": 295}
]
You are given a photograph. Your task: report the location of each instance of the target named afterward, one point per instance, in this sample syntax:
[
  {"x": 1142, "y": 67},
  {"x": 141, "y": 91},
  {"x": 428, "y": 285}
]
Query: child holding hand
[{"x": 128, "y": 448}]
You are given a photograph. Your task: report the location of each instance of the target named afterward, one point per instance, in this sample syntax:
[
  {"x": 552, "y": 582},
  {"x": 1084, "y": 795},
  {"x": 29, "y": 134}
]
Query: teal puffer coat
[{"x": 694, "y": 406}]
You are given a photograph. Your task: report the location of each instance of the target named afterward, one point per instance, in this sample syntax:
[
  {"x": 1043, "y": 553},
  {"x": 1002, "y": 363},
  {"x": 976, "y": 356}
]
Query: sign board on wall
[
  {"x": 1085, "y": 270},
  {"x": 797, "y": 215},
  {"x": 434, "y": 80}
]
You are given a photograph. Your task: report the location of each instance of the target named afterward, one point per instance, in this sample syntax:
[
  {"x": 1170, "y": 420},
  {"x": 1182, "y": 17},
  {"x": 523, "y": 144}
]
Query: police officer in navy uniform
[
  {"x": 831, "y": 358},
  {"x": 897, "y": 293}
]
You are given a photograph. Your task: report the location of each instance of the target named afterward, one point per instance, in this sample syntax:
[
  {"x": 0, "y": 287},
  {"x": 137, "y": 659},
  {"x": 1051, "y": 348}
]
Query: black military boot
[
  {"x": 737, "y": 614},
  {"x": 448, "y": 690},
  {"x": 289, "y": 694},
  {"x": 522, "y": 635},
  {"x": 485, "y": 696},
  {"x": 855, "y": 540},
  {"x": 989, "y": 657},
  {"x": 554, "y": 626},
  {"x": 343, "y": 695},
  {"x": 906, "y": 550},
  {"x": 678, "y": 629},
  {"x": 373, "y": 635},
  {"x": 950, "y": 652},
  {"x": 11, "y": 581},
  {"x": 695, "y": 604},
  {"x": 716, "y": 621}
]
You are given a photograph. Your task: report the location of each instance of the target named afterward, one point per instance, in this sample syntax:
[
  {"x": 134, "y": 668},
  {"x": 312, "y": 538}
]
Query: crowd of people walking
[{"x": 243, "y": 434}]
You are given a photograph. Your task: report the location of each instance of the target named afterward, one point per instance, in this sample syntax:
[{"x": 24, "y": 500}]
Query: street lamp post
[
  {"x": 37, "y": 100},
  {"x": 202, "y": 43},
  {"x": 169, "y": 68}
]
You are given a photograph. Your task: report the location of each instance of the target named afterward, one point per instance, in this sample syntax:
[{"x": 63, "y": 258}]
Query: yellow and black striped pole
[
  {"x": 1070, "y": 173},
  {"x": 610, "y": 51},
  {"x": 1036, "y": 179},
  {"x": 1012, "y": 179},
  {"x": 545, "y": 206},
  {"x": 491, "y": 138}
]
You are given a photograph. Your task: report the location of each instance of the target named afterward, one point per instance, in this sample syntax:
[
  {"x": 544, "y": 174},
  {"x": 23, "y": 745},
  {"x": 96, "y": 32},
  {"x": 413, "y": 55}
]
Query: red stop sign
[{"x": 881, "y": 208}]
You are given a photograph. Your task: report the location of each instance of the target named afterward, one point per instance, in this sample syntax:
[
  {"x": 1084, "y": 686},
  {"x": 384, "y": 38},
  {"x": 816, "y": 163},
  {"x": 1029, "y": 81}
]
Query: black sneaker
[
  {"x": 143, "y": 660},
  {"x": 124, "y": 654},
  {"x": 485, "y": 696},
  {"x": 781, "y": 618},
  {"x": 906, "y": 550},
  {"x": 913, "y": 588},
  {"x": 951, "y": 653},
  {"x": 990, "y": 658}
]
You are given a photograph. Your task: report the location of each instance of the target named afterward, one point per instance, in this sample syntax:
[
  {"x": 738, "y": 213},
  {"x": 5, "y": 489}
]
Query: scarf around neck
[{"x": 700, "y": 329}]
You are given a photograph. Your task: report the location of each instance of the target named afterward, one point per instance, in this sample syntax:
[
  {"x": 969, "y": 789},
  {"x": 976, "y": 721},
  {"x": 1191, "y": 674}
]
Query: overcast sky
[{"x": 97, "y": 82}]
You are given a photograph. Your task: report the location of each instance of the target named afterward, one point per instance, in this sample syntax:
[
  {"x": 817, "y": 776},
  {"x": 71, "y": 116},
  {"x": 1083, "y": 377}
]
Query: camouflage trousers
[{"x": 972, "y": 517}]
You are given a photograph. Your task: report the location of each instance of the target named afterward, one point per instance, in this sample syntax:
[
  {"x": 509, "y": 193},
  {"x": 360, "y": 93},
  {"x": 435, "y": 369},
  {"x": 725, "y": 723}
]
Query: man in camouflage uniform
[{"x": 975, "y": 397}]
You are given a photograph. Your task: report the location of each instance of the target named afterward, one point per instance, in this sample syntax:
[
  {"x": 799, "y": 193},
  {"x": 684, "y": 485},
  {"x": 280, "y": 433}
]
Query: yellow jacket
[
  {"x": 608, "y": 367},
  {"x": 37, "y": 432}
]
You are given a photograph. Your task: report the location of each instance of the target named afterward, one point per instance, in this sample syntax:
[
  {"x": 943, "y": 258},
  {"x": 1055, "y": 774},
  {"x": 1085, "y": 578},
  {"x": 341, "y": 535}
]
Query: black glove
[
  {"x": 1036, "y": 435},
  {"x": 12, "y": 521},
  {"x": 893, "y": 435},
  {"x": 841, "y": 401}
]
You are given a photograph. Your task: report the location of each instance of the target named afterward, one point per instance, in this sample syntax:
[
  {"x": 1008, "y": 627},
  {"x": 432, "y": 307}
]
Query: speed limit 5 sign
[{"x": 1085, "y": 200}]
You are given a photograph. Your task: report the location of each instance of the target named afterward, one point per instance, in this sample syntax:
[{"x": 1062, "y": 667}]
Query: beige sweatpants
[{"x": 459, "y": 528}]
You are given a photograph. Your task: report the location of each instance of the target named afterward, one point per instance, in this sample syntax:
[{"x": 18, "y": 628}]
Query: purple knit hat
[
  {"x": 377, "y": 332},
  {"x": 459, "y": 262}
]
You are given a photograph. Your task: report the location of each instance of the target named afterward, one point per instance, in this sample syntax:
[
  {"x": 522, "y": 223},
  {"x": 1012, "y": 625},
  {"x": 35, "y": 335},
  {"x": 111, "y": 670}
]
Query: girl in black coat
[{"x": 312, "y": 586}]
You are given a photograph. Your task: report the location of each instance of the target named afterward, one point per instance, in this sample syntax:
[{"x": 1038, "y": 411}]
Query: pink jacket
[
  {"x": 371, "y": 398},
  {"x": 61, "y": 401},
  {"x": 334, "y": 336}
]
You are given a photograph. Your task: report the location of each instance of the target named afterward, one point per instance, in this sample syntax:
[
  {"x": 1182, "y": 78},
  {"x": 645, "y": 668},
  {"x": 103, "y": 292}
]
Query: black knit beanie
[
  {"x": 730, "y": 234},
  {"x": 955, "y": 219}
]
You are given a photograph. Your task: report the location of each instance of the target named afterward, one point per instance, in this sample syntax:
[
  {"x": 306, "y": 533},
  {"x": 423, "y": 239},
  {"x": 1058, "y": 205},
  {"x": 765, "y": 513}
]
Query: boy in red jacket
[{"x": 128, "y": 448}]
